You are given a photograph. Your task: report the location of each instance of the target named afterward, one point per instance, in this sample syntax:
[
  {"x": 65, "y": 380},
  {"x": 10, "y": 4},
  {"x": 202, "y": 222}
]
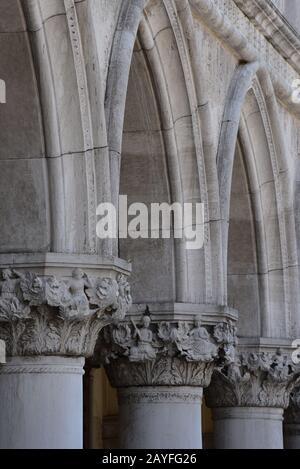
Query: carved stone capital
[
  {"x": 253, "y": 380},
  {"x": 165, "y": 353},
  {"x": 47, "y": 315}
]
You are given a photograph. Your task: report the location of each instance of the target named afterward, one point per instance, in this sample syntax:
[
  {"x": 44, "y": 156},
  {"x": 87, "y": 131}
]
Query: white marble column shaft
[
  {"x": 160, "y": 417},
  {"x": 41, "y": 403},
  {"x": 248, "y": 428}
]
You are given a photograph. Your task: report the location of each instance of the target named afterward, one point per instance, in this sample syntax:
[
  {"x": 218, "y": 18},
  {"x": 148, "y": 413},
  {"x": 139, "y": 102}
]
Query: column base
[
  {"x": 41, "y": 403},
  {"x": 248, "y": 428},
  {"x": 160, "y": 417}
]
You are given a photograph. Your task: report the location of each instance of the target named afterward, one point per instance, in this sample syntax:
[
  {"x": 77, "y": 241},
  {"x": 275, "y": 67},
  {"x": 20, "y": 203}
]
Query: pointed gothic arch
[
  {"x": 166, "y": 38},
  {"x": 251, "y": 115}
]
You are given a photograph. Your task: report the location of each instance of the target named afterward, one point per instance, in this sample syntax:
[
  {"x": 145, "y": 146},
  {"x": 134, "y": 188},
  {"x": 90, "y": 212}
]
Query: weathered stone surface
[
  {"x": 164, "y": 101},
  {"x": 161, "y": 354},
  {"x": 52, "y": 316},
  {"x": 254, "y": 380}
]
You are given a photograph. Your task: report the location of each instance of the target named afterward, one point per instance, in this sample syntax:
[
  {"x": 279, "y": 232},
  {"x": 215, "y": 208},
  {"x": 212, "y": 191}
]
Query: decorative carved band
[
  {"x": 178, "y": 354},
  {"x": 37, "y": 369},
  {"x": 86, "y": 119},
  {"x": 51, "y": 316},
  {"x": 160, "y": 395},
  {"x": 254, "y": 380},
  {"x": 274, "y": 27},
  {"x": 248, "y": 413}
]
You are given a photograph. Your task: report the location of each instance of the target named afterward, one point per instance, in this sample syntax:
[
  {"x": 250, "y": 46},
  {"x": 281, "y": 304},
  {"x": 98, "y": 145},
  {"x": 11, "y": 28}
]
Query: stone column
[
  {"x": 50, "y": 324},
  {"x": 292, "y": 422},
  {"x": 41, "y": 403},
  {"x": 160, "y": 370},
  {"x": 248, "y": 428},
  {"x": 160, "y": 417},
  {"x": 248, "y": 399}
]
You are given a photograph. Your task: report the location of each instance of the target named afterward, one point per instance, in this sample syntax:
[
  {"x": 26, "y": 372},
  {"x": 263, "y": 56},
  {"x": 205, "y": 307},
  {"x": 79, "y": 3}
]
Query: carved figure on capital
[
  {"x": 197, "y": 345},
  {"x": 11, "y": 304},
  {"x": 75, "y": 302},
  {"x": 143, "y": 348}
]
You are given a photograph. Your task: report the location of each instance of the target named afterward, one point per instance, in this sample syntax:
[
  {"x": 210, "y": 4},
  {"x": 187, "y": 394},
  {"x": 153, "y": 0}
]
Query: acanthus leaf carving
[
  {"x": 51, "y": 316},
  {"x": 254, "y": 380},
  {"x": 162, "y": 353}
]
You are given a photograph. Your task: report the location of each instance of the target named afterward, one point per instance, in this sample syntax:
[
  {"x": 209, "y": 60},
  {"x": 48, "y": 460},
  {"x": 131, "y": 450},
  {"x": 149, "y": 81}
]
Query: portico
[{"x": 120, "y": 341}]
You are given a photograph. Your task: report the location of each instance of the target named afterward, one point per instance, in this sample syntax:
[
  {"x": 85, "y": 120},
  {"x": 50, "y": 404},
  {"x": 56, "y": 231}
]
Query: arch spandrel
[{"x": 23, "y": 174}]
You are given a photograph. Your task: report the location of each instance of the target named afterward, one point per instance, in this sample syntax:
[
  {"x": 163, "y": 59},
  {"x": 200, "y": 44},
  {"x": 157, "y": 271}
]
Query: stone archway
[
  {"x": 163, "y": 159},
  {"x": 252, "y": 163}
]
